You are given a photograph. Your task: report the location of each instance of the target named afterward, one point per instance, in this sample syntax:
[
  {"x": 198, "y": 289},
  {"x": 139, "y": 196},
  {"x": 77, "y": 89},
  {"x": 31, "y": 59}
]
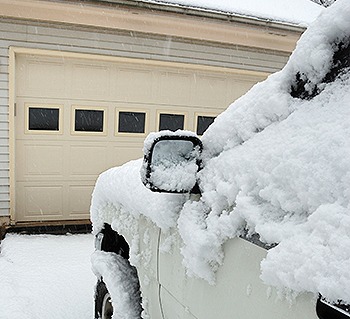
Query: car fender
[{"x": 238, "y": 290}]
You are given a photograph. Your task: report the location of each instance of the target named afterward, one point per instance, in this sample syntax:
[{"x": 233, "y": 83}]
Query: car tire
[{"x": 103, "y": 302}]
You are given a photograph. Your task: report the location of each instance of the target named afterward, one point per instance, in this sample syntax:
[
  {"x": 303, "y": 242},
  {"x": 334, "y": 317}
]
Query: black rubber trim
[{"x": 327, "y": 310}]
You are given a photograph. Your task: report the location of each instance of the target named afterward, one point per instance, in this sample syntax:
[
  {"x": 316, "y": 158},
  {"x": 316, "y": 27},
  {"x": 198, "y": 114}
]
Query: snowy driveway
[{"x": 46, "y": 276}]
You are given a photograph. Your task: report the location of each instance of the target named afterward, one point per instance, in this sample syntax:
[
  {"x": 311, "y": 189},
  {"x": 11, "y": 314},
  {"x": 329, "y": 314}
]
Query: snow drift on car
[{"x": 276, "y": 164}]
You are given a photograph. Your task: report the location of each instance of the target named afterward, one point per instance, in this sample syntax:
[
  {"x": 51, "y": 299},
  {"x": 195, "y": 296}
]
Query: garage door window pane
[
  {"x": 171, "y": 122},
  {"x": 89, "y": 121},
  {"x": 43, "y": 119},
  {"x": 203, "y": 122},
  {"x": 131, "y": 122}
]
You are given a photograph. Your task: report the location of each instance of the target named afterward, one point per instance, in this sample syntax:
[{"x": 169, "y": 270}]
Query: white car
[{"x": 250, "y": 221}]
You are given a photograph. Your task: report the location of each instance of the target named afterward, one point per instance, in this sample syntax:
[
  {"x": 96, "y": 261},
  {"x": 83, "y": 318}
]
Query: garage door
[{"x": 77, "y": 116}]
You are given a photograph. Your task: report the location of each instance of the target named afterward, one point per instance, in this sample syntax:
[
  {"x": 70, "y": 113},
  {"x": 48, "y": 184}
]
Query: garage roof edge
[{"x": 205, "y": 13}]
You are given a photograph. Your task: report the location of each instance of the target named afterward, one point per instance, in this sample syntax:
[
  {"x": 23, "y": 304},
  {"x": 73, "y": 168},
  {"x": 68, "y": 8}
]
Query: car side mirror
[{"x": 171, "y": 162}]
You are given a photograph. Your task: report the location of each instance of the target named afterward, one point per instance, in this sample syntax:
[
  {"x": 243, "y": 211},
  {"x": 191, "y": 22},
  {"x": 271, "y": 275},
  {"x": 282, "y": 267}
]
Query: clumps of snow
[
  {"x": 203, "y": 234},
  {"x": 167, "y": 245},
  {"x": 270, "y": 101},
  {"x": 316, "y": 257},
  {"x": 273, "y": 185},
  {"x": 280, "y": 162},
  {"x": 120, "y": 199},
  {"x": 249, "y": 115},
  {"x": 313, "y": 58},
  {"x": 121, "y": 281},
  {"x": 173, "y": 164},
  {"x": 120, "y": 190},
  {"x": 274, "y": 165},
  {"x": 152, "y": 137}
]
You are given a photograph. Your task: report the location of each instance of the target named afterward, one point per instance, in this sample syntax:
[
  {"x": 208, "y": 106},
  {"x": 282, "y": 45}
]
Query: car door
[
  {"x": 238, "y": 292},
  {"x": 144, "y": 254}
]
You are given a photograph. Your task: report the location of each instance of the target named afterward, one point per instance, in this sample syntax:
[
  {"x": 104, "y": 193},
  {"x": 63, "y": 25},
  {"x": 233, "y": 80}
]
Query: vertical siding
[{"x": 122, "y": 44}]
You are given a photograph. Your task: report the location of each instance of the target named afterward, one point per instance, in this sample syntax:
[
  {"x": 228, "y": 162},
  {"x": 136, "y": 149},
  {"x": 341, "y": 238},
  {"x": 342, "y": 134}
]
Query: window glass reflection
[
  {"x": 203, "y": 122},
  {"x": 131, "y": 122},
  {"x": 172, "y": 122},
  {"x": 43, "y": 119},
  {"x": 88, "y": 120}
]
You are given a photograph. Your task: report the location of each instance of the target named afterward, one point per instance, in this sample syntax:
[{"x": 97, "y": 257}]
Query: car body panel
[
  {"x": 143, "y": 241},
  {"x": 291, "y": 190},
  {"x": 238, "y": 289}
]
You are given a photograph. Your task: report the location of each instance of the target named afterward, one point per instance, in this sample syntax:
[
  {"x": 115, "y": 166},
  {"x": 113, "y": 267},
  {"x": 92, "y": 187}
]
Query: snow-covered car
[{"x": 250, "y": 221}]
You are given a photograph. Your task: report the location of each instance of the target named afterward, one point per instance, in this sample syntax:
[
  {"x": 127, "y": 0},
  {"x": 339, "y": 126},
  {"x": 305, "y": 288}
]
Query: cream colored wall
[{"x": 269, "y": 35}]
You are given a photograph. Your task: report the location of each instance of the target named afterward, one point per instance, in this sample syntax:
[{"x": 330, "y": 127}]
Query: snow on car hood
[
  {"x": 275, "y": 165},
  {"x": 120, "y": 189}
]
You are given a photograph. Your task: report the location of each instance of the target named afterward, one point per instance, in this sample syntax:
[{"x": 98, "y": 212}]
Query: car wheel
[{"x": 103, "y": 302}]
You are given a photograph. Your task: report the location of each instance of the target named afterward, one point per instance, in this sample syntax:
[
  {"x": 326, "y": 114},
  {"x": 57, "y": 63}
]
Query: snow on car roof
[
  {"x": 275, "y": 165},
  {"x": 301, "y": 12}
]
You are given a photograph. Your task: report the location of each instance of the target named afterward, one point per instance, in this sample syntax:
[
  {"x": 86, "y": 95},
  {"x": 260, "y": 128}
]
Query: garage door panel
[
  {"x": 79, "y": 200},
  {"x": 40, "y": 77},
  {"x": 238, "y": 87},
  {"x": 210, "y": 90},
  {"x": 89, "y": 81},
  {"x": 175, "y": 88},
  {"x": 88, "y": 160},
  {"x": 38, "y": 161},
  {"x": 40, "y": 200},
  {"x": 134, "y": 85},
  {"x": 122, "y": 154},
  {"x": 78, "y": 116},
  {"x": 43, "y": 160}
]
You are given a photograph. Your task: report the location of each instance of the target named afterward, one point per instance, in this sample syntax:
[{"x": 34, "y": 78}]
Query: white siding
[{"x": 4, "y": 134}]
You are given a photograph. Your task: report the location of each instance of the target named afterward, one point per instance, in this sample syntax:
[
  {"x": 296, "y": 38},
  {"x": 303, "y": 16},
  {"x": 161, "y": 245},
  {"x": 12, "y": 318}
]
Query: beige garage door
[{"x": 77, "y": 116}]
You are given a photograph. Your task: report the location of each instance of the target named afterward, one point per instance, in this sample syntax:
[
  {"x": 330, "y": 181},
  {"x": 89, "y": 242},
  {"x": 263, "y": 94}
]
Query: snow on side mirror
[{"x": 171, "y": 162}]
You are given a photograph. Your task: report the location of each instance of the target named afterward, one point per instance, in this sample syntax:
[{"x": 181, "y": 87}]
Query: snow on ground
[
  {"x": 301, "y": 12},
  {"x": 274, "y": 165},
  {"x": 46, "y": 276}
]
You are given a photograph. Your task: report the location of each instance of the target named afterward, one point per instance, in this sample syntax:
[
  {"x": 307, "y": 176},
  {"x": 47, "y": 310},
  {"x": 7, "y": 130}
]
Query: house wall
[{"x": 117, "y": 41}]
